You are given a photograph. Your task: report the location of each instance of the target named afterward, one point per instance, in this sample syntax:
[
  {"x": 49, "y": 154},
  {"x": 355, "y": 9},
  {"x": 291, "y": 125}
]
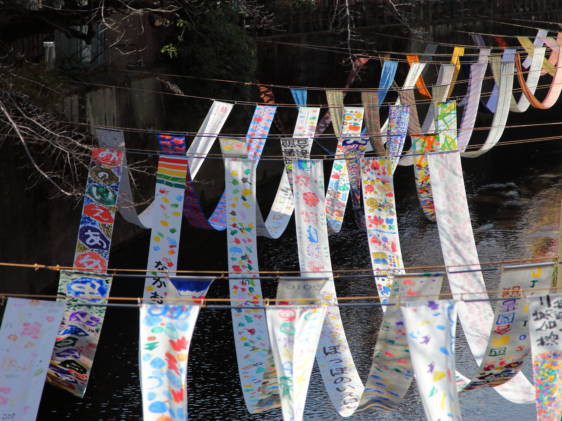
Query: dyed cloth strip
[
  {"x": 553, "y": 91},
  {"x": 353, "y": 148},
  {"x": 381, "y": 222},
  {"x": 256, "y": 137},
  {"x": 459, "y": 252},
  {"x": 422, "y": 145},
  {"x": 358, "y": 64},
  {"x": 391, "y": 371},
  {"x": 505, "y": 87},
  {"x": 420, "y": 84},
  {"x": 547, "y": 65},
  {"x": 165, "y": 338},
  {"x": 546, "y": 333},
  {"x": 283, "y": 204},
  {"x": 334, "y": 358},
  {"x": 372, "y": 121},
  {"x": 167, "y": 217},
  {"x": 458, "y": 52},
  {"x": 439, "y": 94},
  {"x": 255, "y": 362},
  {"x": 413, "y": 73},
  {"x": 198, "y": 150},
  {"x": 79, "y": 331},
  {"x": 538, "y": 42},
  {"x": 27, "y": 337},
  {"x": 71, "y": 371},
  {"x": 431, "y": 337},
  {"x": 472, "y": 99},
  {"x": 339, "y": 185},
  {"x": 531, "y": 82},
  {"x": 509, "y": 344},
  {"x": 294, "y": 333}
]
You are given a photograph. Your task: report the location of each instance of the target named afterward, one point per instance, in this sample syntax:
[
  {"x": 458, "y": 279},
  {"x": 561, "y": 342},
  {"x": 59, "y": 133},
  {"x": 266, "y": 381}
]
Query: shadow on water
[{"x": 514, "y": 208}]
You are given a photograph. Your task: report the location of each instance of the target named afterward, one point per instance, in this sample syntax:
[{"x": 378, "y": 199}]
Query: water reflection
[{"x": 514, "y": 213}]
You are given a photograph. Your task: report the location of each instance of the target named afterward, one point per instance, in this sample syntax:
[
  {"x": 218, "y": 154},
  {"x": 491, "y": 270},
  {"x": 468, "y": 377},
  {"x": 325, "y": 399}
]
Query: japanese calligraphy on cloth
[
  {"x": 70, "y": 371},
  {"x": 455, "y": 229},
  {"x": 167, "y": 218},
  {"x": 165, "y": 338},
  {"x": 334, "y": 356},
  {"x": 255, "y": 361},
  {"x": 338, "y": 186},
  {"x": 546, "y": 342},
  {"x": 299, "y": 147},
  {"x": 79, "y": 331},
  {"x": 430, "y": 327},
  {"x": 391, "y": 371},
  {"x": 27, "y": 337},
  {"x": 283, "y": 204},
  {"x": 381, "y": 222},
  {"x": 509, "y": 344},
  {"x": 294, "y": 331}
]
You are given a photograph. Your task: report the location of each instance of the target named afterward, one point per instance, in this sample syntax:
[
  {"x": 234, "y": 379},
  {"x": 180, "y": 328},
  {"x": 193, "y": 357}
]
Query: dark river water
[{"x": 514, "y": 197}]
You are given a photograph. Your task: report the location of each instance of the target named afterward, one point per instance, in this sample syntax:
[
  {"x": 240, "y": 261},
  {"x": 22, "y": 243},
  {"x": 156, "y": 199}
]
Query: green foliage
[{"x": 213, "y": 44}]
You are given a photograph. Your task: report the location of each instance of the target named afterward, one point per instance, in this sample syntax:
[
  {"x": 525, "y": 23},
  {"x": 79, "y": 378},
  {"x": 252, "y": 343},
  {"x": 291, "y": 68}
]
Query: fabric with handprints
[{"x": 430, "y": 327}]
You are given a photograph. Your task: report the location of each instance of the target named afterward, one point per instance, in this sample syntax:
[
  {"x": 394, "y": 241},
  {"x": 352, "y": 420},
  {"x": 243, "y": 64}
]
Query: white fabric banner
[
  {"x": 256, "y": 366},
  {"x": 27, "y": 337},
  {"x": 430, "y": 327},
  {"x": 509, "y": 344},
  {"x": 283, "y": 204},
  {"x": 200, "y": 146},
  {"x": 334, "y": 356},
  {"x": 546, "y": 341},
  {"x": 167, "y": 217},
  {"x": 460, "y": 255},
  {"x": 294, "y": 331},
  {"x": 391, "y": 370}
]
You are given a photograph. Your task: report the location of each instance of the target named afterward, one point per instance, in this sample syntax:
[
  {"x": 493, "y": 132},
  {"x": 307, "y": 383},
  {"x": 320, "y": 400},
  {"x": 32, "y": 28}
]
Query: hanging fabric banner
[
  {"x": 430, "y": 327},
  {"x": 422, "y": 89},
  {"x": 413, "y": 74},
  {"x": 538, "y": 42},
  {"x": 165, "y": 338},
  {"x": 391, "y": 371},
  {"x": 388, "y": 73},
  {"x": 339, "y": 186},
  {"x": 509, "y": 344},
  {"x": 473, "y": 94},
  {"x": 454, "y": 225},
  {"x": 167, "y": 217},
  {"x": 27, "y": 337},
  {"x": 165, "y": 335},
  {"x": 283, "y": 204},
  {"x": 294, "y": 332},
  {"x": 546, "y": 333},
  {"x": 70, "y": 371},
  {"x": 548, "y": 65},
  {"x": 299, "y": 96},
  {"x": 439, "y": 94},
  {"x": 79, "y": 331},
  {"x": 256, "y": 136},
  {"x": 553, "y": 91},
  {"x": 398, "y": 116},
  {"x": 505, "y": 88},
  {"x": 422, "y": 145},
  {"x": 334, "y": 358},
  {"x": 381, "y": 222},
  {"x": 255, "y": 361},
  {"x": 353, "y": 148},
  {"x": 531, "y": 82},
  {"x": 458, "y": 52},
  {"x": 357, "y": 65}
]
